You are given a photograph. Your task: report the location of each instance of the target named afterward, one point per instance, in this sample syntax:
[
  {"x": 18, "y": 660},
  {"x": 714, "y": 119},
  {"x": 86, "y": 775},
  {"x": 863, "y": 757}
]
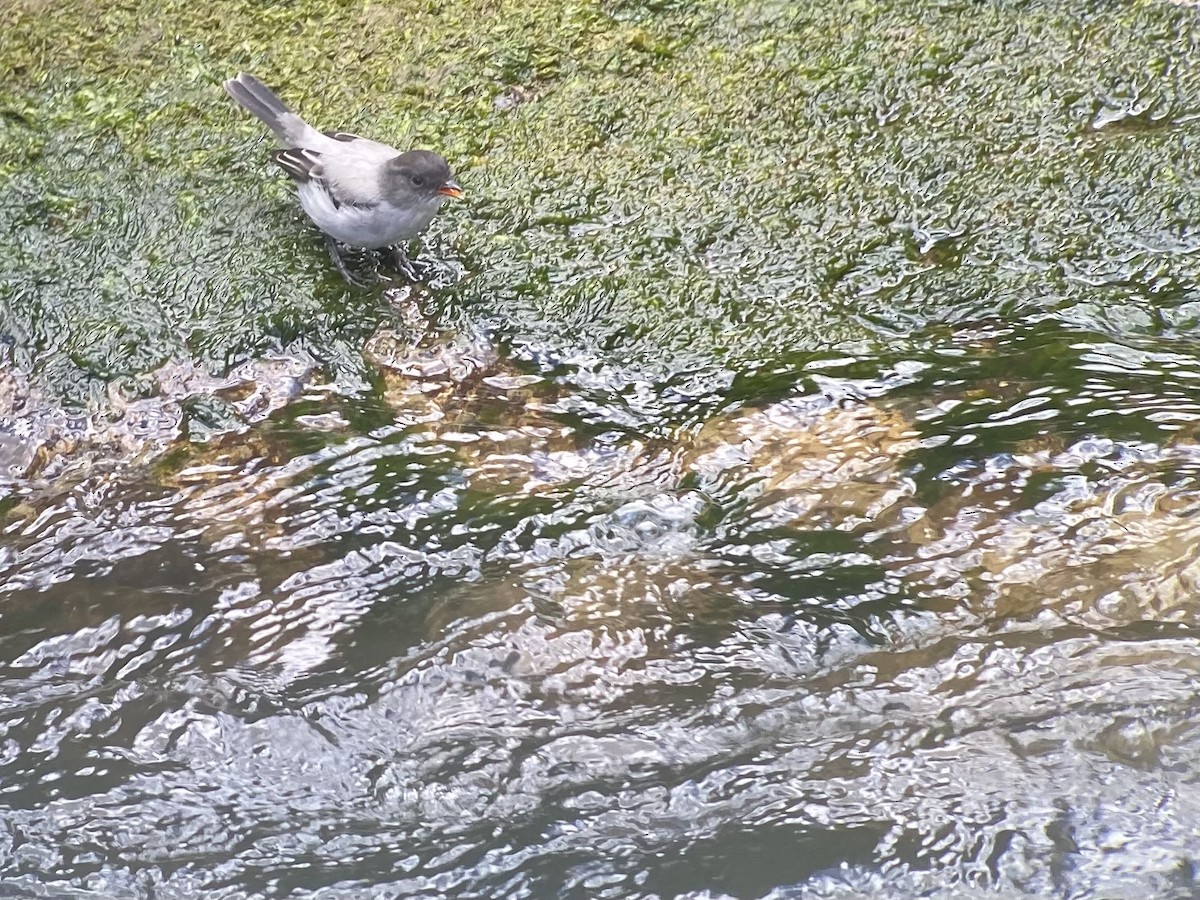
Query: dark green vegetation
[{"x": 675, "y": 184}]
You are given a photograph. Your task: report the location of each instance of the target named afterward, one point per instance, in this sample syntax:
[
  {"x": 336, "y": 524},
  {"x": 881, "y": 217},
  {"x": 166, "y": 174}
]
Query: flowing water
[
  {"x": 865, "y": 639},
  {"x": 848, "y": 552}
]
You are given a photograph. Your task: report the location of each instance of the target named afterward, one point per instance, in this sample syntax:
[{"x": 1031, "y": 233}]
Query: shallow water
[
  {"x": 837, "y": 645},
  {"x": 795, "y": 495}
]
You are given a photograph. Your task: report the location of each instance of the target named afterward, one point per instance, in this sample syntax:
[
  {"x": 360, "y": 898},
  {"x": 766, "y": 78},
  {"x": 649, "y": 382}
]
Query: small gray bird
[{"x": 357, "y": 191}]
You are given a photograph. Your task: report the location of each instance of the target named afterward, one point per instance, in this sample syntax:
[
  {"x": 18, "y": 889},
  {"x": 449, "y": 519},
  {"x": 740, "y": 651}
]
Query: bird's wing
[
  {"x": 303, "y": 165},
  {"x": 352, "y": 168},
  {"x": 353, "y": 182}
]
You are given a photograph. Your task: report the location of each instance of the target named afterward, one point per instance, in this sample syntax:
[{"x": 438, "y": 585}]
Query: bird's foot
[
  {"x": 340, "y": 264},
  {"x": 403, "y": 264}
]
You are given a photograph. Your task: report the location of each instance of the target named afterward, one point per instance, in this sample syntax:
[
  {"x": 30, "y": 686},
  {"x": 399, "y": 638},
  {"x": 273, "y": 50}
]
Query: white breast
[{"x": 374, "y": 227}]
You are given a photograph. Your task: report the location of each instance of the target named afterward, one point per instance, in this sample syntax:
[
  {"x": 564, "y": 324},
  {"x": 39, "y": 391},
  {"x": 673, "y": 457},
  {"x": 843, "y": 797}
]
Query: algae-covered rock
[{"x": 703, "y": 184}]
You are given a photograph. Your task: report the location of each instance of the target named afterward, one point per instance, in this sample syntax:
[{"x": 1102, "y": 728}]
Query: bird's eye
[{"x": 418, "y": 180}]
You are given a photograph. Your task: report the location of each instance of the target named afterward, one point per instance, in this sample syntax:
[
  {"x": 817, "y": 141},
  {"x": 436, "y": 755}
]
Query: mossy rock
[{"x": 680, "y": 185}]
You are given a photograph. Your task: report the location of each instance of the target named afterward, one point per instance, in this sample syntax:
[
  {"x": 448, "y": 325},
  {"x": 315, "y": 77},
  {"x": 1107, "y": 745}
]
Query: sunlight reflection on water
[{"x": 491, "y": 656}]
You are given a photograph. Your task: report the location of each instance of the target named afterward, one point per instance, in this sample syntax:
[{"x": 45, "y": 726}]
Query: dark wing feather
[
  {"x": 343, "y": 136},
  {"x": 303, "y": 165}
]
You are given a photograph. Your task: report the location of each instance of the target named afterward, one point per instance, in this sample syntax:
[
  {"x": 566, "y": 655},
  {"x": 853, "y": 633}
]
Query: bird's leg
[
  {"x": 339, "y": 263},
  {"x": 402, "y": 263}
]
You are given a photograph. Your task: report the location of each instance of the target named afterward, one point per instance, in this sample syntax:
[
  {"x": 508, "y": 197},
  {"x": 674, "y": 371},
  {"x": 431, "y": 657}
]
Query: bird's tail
[{"x": 262, "y": 102}]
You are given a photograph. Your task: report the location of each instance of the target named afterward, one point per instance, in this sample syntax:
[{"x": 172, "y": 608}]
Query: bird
[{"x": 357, "y": 191}]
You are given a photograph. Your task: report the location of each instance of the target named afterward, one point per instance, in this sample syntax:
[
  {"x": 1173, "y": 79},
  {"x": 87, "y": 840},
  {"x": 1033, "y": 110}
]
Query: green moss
[{"x": 684, "y": 184}]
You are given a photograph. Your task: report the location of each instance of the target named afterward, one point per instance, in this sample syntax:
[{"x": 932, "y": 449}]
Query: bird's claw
[
  {"x": 397, "y": 257},
  {"x": 403, "y": 264},
  {"x": 340, "y": 264}
]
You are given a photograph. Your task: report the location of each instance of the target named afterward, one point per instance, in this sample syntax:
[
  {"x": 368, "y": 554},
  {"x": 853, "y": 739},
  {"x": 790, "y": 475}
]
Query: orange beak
[{"x": 450, "y": 189}]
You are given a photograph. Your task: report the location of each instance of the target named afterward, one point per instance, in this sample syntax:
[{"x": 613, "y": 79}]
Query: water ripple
[{"x": 816, "y": 641}]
